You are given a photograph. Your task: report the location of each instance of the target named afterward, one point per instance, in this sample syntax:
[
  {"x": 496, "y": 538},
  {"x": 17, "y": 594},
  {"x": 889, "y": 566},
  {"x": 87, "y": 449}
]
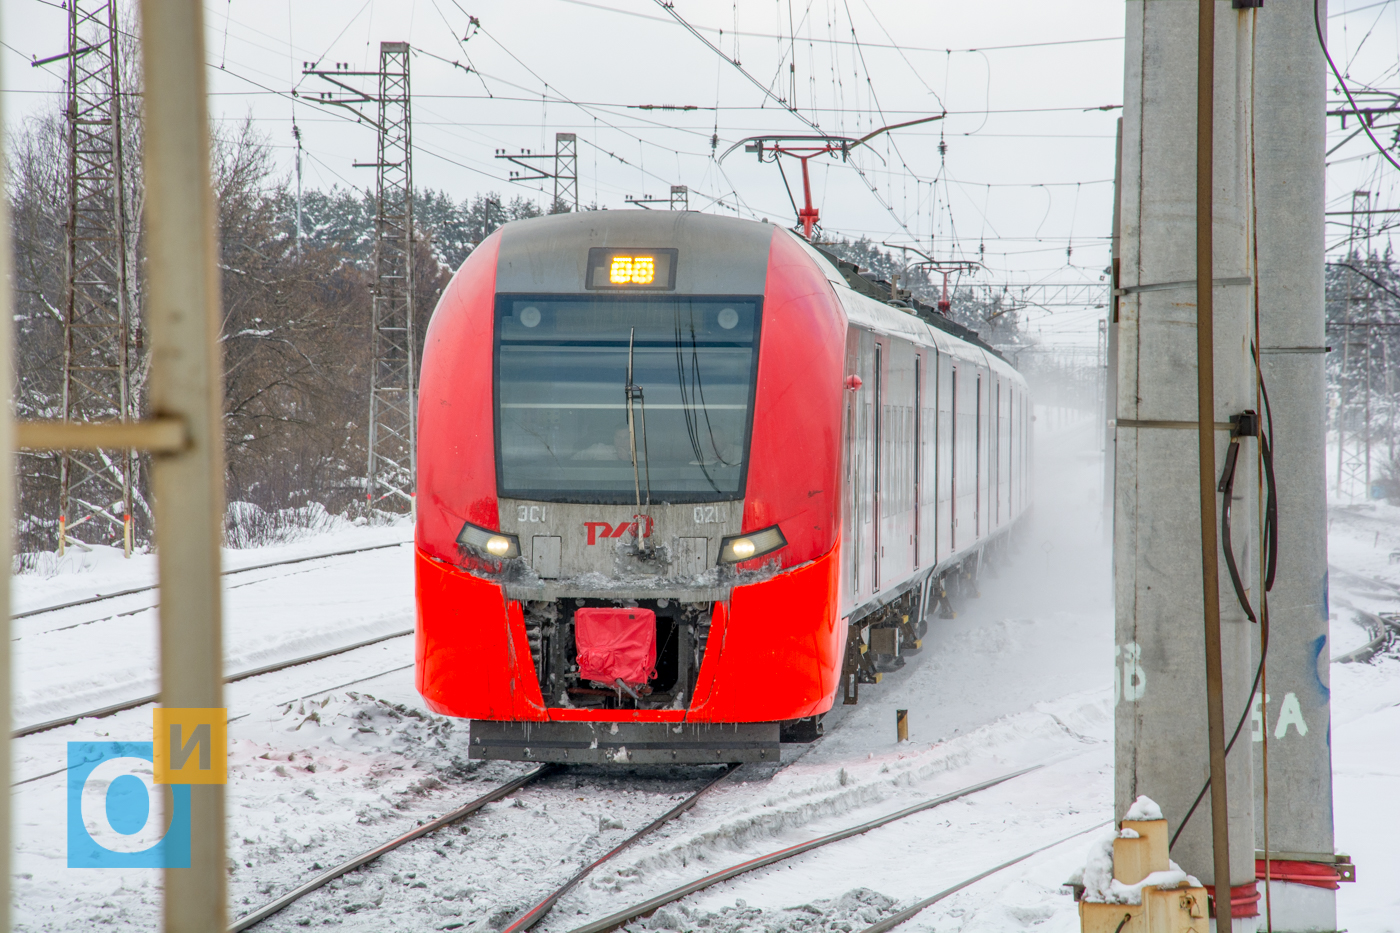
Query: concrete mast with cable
[
  {"x": 96, "y": 486},
  {"x": 1184, "y": 646},
  {"x": 1295, "y": 818}
]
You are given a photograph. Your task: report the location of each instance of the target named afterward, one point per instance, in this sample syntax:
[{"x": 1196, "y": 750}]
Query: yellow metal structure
[{"x": 1162, "y": 910}]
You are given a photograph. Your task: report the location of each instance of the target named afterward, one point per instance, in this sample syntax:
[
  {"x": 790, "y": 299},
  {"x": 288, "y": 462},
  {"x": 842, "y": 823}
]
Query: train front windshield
[{"x": 561, "y": 419}]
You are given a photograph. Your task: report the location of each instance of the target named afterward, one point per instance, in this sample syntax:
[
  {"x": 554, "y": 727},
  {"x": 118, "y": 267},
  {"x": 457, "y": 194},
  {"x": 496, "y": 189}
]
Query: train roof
[
  {"x": 720, "y": 255},
  {"x": 723, "y": 256}
]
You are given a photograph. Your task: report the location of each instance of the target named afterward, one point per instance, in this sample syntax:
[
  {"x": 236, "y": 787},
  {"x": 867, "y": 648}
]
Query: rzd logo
[
  {"x": 129, "y": 802},
  {"x": 624, "y": 527}
]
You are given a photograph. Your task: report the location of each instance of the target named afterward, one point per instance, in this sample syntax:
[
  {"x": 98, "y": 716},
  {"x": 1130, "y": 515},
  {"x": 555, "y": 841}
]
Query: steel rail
[
  {"x": 262, "y": 913},
  {"x": 889, "y": 923},
  {"x": 613, "y": 921},
  {"x": 1383, "y": 633},
  {"x": 230, "y": 679},
  {"x": 146, "y": 589},
  {"x": 535, "y": 914}
]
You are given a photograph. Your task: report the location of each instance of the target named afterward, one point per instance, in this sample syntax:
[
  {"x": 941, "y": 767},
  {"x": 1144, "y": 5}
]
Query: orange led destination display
[{"x": 632, "y": 268}]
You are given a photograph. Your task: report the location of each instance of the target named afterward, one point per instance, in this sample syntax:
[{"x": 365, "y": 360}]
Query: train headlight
[
  {"x": 736, "y": 548},
  {"x": 494, "y": 543}
]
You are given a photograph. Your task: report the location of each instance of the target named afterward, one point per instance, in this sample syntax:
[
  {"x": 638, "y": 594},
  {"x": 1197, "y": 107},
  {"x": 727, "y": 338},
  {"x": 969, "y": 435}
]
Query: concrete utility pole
[
  {"x": 1179, "y": 654},
  {"x": 1289, "y": 139},
  {"x": 184, "y": 316}
]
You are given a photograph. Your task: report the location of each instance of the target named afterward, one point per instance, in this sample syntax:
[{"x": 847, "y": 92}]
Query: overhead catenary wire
[{"x": 1322, "y": 41}]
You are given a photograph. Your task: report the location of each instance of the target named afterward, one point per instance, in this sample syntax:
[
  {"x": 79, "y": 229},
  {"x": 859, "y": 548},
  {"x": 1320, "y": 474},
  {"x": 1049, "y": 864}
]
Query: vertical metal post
[
  {"x": 7, "y": 489},
  {"x": 1290, "y": 96},
  {"x": 1111, "y": 351},
  {"x": 296, "y": 133},
  {"x": 565, "y": 172},
  {"x": 1205, "y": 434},
  {"x": 97, "y": 319},
  {"x": 392, "y": 395},
  {"x": 680, "y": 197},
  {"x": 186, "y": 382}
]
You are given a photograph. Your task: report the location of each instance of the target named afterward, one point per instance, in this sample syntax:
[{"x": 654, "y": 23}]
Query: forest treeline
[{"x": 295, "y": 330}]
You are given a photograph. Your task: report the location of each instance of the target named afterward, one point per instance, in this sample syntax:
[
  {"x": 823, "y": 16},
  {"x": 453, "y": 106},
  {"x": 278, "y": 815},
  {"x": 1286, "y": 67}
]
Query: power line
[
  {"x": 1317, "y": 22},
  {"x": 812, "y": 39},
  {"x": 792, "y": 110}
]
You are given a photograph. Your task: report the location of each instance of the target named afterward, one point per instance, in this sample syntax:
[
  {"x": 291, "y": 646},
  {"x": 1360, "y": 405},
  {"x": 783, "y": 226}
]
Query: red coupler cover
[{"x": 616, "y": 643}]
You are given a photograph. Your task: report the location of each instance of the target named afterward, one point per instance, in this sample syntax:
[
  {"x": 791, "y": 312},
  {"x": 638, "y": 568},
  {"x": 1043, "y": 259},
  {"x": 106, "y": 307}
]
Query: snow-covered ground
[{"x": 322, "y": 768}]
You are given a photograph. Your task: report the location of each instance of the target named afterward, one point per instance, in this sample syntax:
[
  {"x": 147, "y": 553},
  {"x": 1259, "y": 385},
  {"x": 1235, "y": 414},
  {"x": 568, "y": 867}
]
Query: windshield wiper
[{"x": 634, "y": 393}]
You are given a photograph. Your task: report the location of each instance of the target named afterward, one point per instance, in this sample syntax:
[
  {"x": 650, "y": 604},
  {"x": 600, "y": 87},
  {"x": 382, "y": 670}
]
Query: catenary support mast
[
  {"x": 1289, "y": 140},
  {"x": 392, "y": 406},
  {"x": 95, "y": 488},
  {"x": 1161, "y": 571},
  {"x": 392, "y": 449}
]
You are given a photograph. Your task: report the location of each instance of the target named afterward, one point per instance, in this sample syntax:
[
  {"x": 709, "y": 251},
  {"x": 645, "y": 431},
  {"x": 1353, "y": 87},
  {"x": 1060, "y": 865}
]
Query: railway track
[
  {"x": 527, "y": 919},
  {"x": 230, "y": 679},
  {"x": 1384, "y": 630},
  {"x": 651, "y": 905},
  {"x": 100, "y": 597},
  {"x": 908, "y": 913}
]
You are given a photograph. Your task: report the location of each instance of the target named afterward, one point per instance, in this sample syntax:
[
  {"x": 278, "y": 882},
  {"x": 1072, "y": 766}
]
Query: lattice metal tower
[
  {"x": 392, "y": 395},
  {"x": 96, "y": 487},
  {"x": 1354, "y": 388},
  {"x": 565, "y": 174},
  {"x": 565, "y": 171},
  {"x": 680, "y": 198},
  {"x": 393, "y": 389}
]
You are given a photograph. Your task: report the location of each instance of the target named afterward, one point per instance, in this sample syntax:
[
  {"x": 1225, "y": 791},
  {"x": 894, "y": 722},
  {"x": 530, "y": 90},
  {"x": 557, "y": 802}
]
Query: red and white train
[{"x": 682, "y": 480}]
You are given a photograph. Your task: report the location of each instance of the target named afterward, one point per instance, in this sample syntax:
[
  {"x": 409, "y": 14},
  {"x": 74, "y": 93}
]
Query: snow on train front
[{"x": 628, "y": 507}]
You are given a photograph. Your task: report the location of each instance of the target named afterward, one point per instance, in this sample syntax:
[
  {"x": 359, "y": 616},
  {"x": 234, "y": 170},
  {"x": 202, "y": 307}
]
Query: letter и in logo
[
  {"x": 191, "y": 745},
  {"x": 118, "y": 816}
]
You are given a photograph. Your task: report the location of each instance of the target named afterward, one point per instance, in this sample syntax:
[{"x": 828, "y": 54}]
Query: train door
[
  {"x": 977, "y": 508},
  {"x": 1004, "y": 433},
  {"x": 918, "y": 452},
  {"x": 877, "y": 466},
  {"x": 943, "y": 457},
  {"x": 1011, "y": 448},
  {"x": 851, "y": 537},
  {"x": 953, "y": 464},
  {"x": 996, "y": 461}
]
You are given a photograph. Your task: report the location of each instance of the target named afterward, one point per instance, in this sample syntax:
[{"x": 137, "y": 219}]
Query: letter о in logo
[{"x": 118, "y": 816}]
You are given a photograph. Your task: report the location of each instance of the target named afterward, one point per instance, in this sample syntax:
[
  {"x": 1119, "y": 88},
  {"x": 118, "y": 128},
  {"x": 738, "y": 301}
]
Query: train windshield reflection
[{"x": 561, "y": 419}]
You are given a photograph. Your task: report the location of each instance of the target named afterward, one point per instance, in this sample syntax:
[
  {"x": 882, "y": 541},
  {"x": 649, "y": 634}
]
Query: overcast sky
[{"x": 1030, "y": 89}]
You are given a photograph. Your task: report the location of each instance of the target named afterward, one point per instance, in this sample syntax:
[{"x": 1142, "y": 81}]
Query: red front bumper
[{"x": 774, "y": 651}]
